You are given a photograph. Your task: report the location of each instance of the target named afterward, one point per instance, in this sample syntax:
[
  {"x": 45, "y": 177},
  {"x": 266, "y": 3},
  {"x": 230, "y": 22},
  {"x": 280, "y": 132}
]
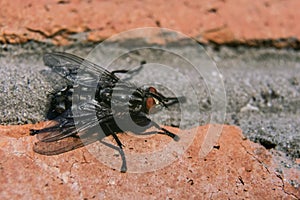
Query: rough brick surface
[
  {"x": 252, "y": 22},
  {"x": 236, "y": 169}
]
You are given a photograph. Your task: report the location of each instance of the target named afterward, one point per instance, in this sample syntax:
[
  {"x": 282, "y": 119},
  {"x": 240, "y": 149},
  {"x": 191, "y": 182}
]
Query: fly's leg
[
  {"x": 111, "y": 132},
  {"x": 165, "y": 132},
  {"x": 120, "y": 71},
  {"x": 117, "y": 140},
  {"x": 44, "y": 130},
  {"x": 129, "y": 72},
  {"x": 105, "y": 121},
  {"x": 124, "y": 164},
  {"x": 168, "y": 133},
  {"x": 58, "y": 127}
]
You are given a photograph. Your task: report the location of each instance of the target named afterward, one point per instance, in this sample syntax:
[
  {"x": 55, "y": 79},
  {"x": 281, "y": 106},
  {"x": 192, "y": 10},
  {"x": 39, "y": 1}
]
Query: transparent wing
[
  {"x": 62, "y": 126},
  {"x": 77, "y": 69},
  {"x": 86, "y": 117},
  {"x": 63, "y": 145}
]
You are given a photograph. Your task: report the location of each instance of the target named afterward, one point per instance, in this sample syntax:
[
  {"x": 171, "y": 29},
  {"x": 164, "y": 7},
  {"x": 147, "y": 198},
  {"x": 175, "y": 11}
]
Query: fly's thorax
[
  {"x": 104, "y": 94},
  {"x": 124, "y": 97},
  {"x": 136, "y": 101},
  {"x": 104, "y": 89}
]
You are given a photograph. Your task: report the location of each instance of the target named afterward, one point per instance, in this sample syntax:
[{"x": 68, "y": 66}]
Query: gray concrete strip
[{"x": 262, "y": 86}]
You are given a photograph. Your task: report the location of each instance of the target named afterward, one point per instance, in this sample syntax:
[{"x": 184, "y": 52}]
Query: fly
[{"x": 112, "y": 99}]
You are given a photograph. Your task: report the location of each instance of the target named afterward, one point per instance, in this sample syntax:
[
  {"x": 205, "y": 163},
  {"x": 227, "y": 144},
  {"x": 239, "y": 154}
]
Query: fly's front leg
[
  {"x": 124, "y": 164},
  {"x": 165, "y": 132},
  {"x": 115, "y": 136},
  {"x": 170, "y": 134}
]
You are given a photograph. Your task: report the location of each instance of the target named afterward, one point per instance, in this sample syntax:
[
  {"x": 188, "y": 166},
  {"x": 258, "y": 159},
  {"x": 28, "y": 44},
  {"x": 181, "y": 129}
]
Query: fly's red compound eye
[
  {"x": 153, "y": 90},
  {"x": 149, "y": 103}
]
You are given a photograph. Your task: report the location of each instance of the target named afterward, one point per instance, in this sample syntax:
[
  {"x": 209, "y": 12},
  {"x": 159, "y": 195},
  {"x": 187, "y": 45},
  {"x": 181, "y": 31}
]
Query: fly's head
[
  {"x": 150, "y": 101},
  {"x": 153, "y": 101}
]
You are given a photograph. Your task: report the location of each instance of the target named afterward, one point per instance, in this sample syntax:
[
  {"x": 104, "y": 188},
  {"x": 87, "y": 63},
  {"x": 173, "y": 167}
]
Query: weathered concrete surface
[
  {"x": 63, "y": 22},
  {"x": 236, "y": 168}
]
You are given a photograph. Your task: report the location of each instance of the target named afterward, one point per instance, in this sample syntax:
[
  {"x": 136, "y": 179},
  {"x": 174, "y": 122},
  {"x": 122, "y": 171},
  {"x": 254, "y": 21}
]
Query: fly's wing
[
  {"x": 61, "y": 126},
  {"x": 57, "y": 147},
  {"x": 68, "y": 134},
  {"x": 74, "y": 68},
  {"x": 64, "y": 145},
  {"x": 86, "y": 117},
  {"x": 85, "y": 73}
]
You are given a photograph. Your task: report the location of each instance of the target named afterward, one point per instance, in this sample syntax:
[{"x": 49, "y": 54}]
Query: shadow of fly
[{"x": 107, "y": 99}]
